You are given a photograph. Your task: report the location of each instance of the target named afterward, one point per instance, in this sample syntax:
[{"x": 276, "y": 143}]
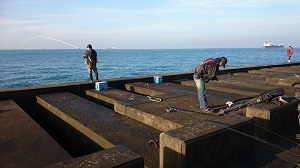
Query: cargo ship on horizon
[{"x": 268, "y": 44}]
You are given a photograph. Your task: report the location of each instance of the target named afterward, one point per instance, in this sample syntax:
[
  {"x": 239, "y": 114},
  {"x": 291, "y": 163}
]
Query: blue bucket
[
  {"x": 157, "y": 79},
  {"x": 101, "y": 85}
]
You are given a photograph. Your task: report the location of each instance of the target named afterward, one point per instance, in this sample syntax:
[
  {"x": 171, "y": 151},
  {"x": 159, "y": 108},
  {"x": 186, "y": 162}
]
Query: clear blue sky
[{"x": 148, "y": 24}]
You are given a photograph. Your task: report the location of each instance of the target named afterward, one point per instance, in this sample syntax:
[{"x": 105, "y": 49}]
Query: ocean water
[{"x": 21, "y": 68}]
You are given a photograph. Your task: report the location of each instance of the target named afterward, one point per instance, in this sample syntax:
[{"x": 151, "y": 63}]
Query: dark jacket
[
  {"x": 207, "y": 70},
  {"x": 91, "y": 57}
]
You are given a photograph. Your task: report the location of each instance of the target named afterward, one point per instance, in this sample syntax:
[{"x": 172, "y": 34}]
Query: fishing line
[
  {"x": 267, "y": 130},
  {"x": 246, "y": 135},
  {"x": 235, "y": 115},
  {"x": 258, "y": 139},
  {"x": 249, "y": 97},
  {"x": 47, "y": 38},
  {"x": 283, "y": 59}
]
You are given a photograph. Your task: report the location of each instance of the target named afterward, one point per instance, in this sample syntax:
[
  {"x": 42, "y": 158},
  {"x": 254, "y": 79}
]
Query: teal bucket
[{"x": 157, "y": 79}]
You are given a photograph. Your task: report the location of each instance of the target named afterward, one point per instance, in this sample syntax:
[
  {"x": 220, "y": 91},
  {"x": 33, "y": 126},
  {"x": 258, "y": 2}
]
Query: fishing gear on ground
[
  {"x": 266, "y": 97},
  {"x": 156, "y": 99},
  {"x": 295, "y": 83}
]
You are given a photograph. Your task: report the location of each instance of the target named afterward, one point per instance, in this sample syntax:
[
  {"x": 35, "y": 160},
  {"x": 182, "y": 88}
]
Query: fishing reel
[{"x": 269, "y": 96}]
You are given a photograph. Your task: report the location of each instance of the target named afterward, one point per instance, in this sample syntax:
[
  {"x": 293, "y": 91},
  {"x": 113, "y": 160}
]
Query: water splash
[{"x": 47, "y": 38}]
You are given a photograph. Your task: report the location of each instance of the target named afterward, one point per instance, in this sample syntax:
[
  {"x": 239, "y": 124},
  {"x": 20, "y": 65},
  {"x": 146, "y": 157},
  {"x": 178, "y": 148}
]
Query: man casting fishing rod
[{"x": 90, "y": 56}]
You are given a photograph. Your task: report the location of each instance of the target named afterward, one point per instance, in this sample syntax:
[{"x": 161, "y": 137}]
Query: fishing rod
[
  {"x": 265, "y": 97},
  {"x": 47, "y": 38}
]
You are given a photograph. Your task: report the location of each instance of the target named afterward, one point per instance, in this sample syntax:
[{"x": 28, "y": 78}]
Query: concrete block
[
  {"x": 23, "y": 143},
  {"x": 142, "y": 88},
  {"x": 271, "y": 118},
  {"x": 280, "y": 81},
  {"x": 118, "y": 156},
  {"x": 101, "y": 125},
  {"x": 156, "y": 121},
  {"x": 114, "y": 95},
  {"x": 205, "y": 144}
]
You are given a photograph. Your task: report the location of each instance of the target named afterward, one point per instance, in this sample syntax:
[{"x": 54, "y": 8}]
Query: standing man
[
  {"x": 91, "y": 60},
  {"x": 289, "y": 53},
  {"x": 205, "y": 72}
]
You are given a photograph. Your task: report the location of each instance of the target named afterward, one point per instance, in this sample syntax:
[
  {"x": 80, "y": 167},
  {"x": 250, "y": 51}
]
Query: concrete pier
[
  {"x": 23, "y": 142},
  {"x": 118, "y": 156},
  {"x": 139, "y": 123}
]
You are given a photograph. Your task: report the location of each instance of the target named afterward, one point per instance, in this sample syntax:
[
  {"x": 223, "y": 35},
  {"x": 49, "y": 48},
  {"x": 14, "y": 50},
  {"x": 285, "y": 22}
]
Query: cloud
[
  {"x": 217, "y": 4},
  {"x": 6, "y": 22}
]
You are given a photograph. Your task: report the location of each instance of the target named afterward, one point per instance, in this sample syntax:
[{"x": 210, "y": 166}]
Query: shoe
[{"x": 209, "y": 110}]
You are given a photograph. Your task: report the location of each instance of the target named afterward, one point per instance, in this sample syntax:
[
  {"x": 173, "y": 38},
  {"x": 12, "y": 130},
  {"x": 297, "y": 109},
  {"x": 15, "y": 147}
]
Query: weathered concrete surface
[
  {"x": 172, "y": 90},
  {"x": 267, "y": 116},
  {"x": 290, "y": 69},
  {"x": 238, "y": 86},
  {"x": 205, "y": 144},
  {"x": 179, "y": 122},
  {"x": 112, "y": 95},
  {"x": 277, "y": 70},
  {"x": 283, "y": 80},
  {"x": 102, "y": 125},
  {"x": 169, "y": 156},
  {"x": 164, "y": 90},
  {"x": 225, "y": 88},
  {"x": 23, "y": 143},
  {"x": 279, "y": 75},
  {"x": 118, "y": 156},
  {"x": 250, "y": 84},
  {"x": 184, "y": 101},
  {"x": 191, "y": 129},
  {"x": 270, "y": 119}
]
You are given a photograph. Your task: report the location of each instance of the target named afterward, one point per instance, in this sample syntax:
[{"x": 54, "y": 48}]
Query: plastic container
[
  {"x": 157, "y": 79},
  {"x": 101, "y": 86}
]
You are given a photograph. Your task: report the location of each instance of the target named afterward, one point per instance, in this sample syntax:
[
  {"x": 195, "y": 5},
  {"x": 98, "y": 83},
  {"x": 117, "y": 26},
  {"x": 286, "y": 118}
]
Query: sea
[{"x": 21, "y": 68}]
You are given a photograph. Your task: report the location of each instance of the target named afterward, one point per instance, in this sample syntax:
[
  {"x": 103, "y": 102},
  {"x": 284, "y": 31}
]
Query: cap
[
  {"x": 89, "y": 46},
  {"x": 224, "y": 61}
]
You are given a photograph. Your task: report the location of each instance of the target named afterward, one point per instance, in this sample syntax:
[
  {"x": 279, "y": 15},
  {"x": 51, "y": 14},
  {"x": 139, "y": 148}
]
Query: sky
[{"x": 148, "y": 24}]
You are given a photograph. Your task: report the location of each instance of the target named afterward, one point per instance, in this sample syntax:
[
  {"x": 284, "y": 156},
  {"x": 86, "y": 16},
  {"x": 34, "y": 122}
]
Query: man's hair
[
  {"x": 89, "y": 46},
  {"x": 222, "y": 59}
]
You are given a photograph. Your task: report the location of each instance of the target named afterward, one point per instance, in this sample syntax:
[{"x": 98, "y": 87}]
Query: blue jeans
[{"x": 201, "y": 93}]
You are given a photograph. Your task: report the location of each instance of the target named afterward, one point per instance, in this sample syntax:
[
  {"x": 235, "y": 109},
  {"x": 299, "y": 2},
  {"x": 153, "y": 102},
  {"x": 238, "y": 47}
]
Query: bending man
[{"x": 205, "y": 72}]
